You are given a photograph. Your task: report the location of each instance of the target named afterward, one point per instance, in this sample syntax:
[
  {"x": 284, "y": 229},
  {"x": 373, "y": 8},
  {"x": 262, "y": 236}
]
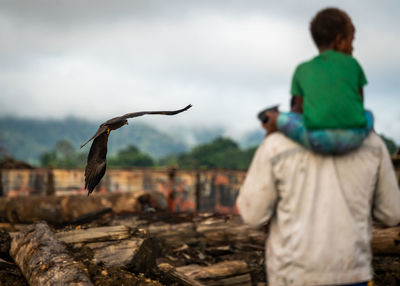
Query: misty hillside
[{"x": 27, "y": 139}]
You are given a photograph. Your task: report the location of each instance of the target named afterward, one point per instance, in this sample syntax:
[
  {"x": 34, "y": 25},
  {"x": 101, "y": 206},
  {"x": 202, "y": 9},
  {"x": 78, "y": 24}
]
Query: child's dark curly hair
[{"x": 328, "y": 24}]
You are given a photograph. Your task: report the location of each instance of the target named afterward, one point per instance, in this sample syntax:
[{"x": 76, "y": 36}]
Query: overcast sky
[{"x": 229, "y": 59}]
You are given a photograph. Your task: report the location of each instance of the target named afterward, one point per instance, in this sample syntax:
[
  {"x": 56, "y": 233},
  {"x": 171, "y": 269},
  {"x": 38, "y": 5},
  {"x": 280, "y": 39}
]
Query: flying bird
[{"x": 96, "y": 161}]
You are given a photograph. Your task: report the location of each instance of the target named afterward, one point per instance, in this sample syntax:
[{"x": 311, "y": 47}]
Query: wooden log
[
  {"x": 65, "y": 209},
  {"x": 145, "y": 260},
  {"x": 44, "y": 260},
  {"x": 219, "y": 232},
  {"x": 239, "y": 280},
  {"x": 172, "y": 274},
  {"x": 94, "y": 234},
  {"x": 114, "y": 246},
  {"x": 386, "y": 241},
  {"x": 87, "y": 218},
  {"x": 116, "y": 253},
  {"x": 173, "y": 235},
  {"x": 230, "y": 230},
  {"x": 224, "y": 273},
  {"x": 218, "y": 270}
]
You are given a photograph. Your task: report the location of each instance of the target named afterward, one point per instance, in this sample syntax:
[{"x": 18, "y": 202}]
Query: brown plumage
[{"x": 96, "y": 162}]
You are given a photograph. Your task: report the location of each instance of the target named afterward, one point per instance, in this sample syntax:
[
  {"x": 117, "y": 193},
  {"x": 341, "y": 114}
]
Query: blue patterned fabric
[{"x": 325, "y": 141}]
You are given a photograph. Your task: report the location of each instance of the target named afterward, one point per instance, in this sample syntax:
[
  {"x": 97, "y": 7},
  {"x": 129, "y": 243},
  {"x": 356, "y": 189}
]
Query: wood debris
[{"x": 165, "y": 248}]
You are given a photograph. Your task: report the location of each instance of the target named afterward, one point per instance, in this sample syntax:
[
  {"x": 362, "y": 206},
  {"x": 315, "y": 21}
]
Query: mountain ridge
[{"x": 27, "y": 139}]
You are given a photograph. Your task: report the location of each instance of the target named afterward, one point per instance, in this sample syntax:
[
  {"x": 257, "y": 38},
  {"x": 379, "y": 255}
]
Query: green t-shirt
[{"x": 329, "y": 84}]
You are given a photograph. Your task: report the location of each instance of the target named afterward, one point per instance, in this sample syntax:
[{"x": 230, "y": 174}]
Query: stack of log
[
  {"x": 10, "y": 163},
  {"x": 66, "y": 210},
  {"x": 88, "y": 256},
  {"x": 151, "y": 248}
]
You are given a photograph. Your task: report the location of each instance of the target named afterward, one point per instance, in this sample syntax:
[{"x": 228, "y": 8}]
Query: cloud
[{"x": 98, "y": 59}]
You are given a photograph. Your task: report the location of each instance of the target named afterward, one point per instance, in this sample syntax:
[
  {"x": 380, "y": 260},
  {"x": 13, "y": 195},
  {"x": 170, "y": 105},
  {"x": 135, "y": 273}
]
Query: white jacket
[{"x": 319, "y": 209}]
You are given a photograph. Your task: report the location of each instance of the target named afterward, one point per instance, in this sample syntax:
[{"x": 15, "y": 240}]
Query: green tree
[
  {"x": 390, "y": 144},
  {"x": 131, "y": 156},
  {"x": 63, "y": 156},
  {"x": 48, "y": 159},
  {"x": 2, "y": 150},
  {"x": 220, "y": 153}
]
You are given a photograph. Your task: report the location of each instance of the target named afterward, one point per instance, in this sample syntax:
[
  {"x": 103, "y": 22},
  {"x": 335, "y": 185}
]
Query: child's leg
[
  {"x": 333, "y": 141},
  {"x": 340, "y": 141},
  {"x": 336, "y": 141},
  {"x": 292, "y": 125},
  {"x": 369, "y": 117}
]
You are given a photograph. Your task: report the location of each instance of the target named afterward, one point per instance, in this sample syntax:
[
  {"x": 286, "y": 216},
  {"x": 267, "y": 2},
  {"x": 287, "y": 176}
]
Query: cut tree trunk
[
  {"x": 386, "y": 241},
  {"x": 44, "y": 260},
  {"x": 220, "y": 232},
  {"x": 176, "y": 276},
  {"x": 94, "y": 234},
  {"x": 115, "y": 246},
  {"x": 70, "y": 209},
  {"x": 223, "y": 273},
  {"x": 173, "y": 235}
]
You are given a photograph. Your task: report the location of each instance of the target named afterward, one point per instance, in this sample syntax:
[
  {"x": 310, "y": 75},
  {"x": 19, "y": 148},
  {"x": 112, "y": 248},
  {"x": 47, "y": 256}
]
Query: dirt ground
[{"x": 386, "y": 269}]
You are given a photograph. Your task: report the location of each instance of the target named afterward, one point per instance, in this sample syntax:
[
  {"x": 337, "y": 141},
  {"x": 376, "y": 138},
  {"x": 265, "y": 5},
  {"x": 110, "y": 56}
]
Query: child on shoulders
[{"x": 328, "y": 115}]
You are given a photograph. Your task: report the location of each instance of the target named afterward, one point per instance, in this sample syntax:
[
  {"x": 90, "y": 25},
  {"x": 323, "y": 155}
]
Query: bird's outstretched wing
[
  {"x": 136, "y": 114},
  {"x": 103, "y": 126},
  {"x": 99, "y": 131},
  {"x": 96, "y": 162}
]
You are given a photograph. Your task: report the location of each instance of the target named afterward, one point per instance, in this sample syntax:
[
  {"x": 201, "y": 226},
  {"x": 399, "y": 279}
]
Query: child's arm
[
  {"x": 296, "y": 104},
  {"x": 361, "y": 92}
]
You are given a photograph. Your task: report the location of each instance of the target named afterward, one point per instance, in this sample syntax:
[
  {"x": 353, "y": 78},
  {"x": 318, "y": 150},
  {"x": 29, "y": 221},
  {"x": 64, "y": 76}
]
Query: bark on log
[
  {"x": 116, "y": 253},
  {"x": 87, "y": 218},
  {"x": 145, "y": 259},
  {"x": 218, "y": 270},
  {"x": 114, "y": 246},
  {"x": 173, "y": 235},
  {"x": 223, "y": 273},
  {"x": 170, "y": 271},
  {"x": 216, "y": 232},
  {"x": 94, "y": 234},
  {"x": 386, "y": 241},
  {"x": 220, "y": 232},
  {"x": 65, "y": 209},
  {"x": 44, "y": 260}
]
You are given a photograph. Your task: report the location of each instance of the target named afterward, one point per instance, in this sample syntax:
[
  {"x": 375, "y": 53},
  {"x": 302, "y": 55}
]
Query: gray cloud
[{"x": 97, "y": 59}]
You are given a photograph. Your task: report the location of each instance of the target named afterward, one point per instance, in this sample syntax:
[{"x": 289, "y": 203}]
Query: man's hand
[{"x": 270, "y": 126}]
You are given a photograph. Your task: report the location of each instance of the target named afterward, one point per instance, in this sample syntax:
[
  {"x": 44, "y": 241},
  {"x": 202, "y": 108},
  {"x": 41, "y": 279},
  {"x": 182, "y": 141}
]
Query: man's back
[{"x": 319, "y": 209}]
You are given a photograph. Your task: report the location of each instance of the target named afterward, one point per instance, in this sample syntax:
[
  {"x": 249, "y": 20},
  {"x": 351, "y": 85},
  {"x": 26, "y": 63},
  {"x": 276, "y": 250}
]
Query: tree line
[{"x": 221, "y": 153}]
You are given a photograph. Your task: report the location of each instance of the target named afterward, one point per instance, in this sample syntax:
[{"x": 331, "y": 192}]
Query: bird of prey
[{"x": 96, "y": 161}]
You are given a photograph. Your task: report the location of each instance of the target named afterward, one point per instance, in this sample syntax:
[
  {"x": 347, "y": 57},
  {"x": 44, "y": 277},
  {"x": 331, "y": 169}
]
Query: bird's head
[{"x": 126, "y": 122}]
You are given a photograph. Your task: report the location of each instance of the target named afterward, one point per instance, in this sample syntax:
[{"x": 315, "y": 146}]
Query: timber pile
[
  {"x": 78, "y": 209},
  {"x": 155, "y": 248},
  {"x": 10, "y": 163}
]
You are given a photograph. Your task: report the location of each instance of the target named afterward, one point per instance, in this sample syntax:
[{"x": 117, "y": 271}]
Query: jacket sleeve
[
  {"x": 258, "y": 195},
  {"x": 386, "y": 206}
]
